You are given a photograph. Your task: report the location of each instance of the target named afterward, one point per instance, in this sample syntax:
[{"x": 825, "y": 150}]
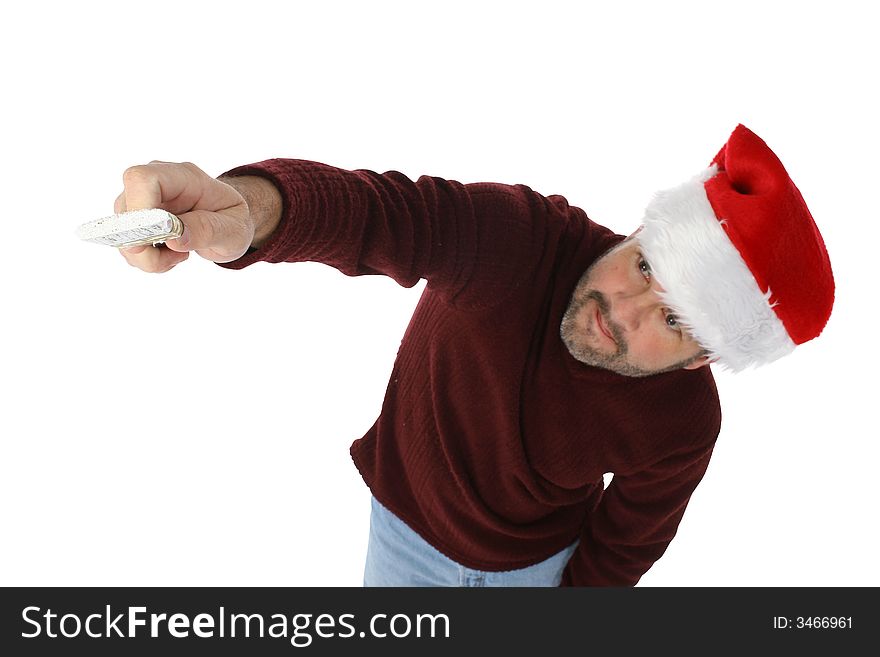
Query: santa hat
[{"x": 739, "y": 257}]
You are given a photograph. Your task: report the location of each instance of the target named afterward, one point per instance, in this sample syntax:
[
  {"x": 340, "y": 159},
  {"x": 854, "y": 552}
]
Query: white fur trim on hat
[{"x": 705, "y": 280}]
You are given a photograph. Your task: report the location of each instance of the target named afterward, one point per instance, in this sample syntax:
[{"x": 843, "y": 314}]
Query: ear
[{"x": 700, "y": 362}]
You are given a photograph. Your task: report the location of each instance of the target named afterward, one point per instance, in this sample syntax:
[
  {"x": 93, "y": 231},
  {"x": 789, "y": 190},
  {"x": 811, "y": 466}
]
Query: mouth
[{"x": 602, "y": 327}]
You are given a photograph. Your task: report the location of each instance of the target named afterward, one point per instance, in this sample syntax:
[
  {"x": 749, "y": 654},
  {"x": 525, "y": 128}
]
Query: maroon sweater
[{"x": 493, "y": 440}]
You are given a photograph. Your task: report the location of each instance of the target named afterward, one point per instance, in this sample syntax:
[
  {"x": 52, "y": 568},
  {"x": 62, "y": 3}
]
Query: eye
[
  {"x": 644, "y": 268},
  {"x": 672, "y": 322}
]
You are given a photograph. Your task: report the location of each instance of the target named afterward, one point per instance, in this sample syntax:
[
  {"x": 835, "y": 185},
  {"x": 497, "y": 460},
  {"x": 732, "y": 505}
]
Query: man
[{"x": 544, "y": 352}]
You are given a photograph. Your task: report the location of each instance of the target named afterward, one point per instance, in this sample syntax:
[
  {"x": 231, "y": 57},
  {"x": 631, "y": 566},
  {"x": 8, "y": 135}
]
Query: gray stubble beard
[{"x": 582, "y": 352}]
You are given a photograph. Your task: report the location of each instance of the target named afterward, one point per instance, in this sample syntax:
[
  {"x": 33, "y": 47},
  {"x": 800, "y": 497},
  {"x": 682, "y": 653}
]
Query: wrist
[{"x": 264, "y": 204}]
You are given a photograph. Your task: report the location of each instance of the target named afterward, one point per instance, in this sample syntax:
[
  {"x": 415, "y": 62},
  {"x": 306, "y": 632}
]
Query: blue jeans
[{"x": 398, "y": 556}]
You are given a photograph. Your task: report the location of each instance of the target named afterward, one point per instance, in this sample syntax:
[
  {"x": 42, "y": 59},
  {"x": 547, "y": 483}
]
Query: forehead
[{"x": 626, "y": 249}]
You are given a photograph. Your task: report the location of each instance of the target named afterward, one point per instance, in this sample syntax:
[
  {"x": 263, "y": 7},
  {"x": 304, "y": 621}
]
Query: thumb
[
  {"x": 217, "y": 236},
  {"x": 183, "y": 242},
  {"x": 201, "y": 230}
]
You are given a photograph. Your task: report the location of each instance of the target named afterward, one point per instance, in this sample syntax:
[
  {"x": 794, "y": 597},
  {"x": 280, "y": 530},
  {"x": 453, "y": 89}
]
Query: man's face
[{"x": 616, "y": 319}]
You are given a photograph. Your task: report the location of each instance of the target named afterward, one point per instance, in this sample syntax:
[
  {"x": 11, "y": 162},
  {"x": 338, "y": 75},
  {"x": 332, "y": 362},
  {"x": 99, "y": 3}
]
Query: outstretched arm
[{"x": 473, "y": 243}]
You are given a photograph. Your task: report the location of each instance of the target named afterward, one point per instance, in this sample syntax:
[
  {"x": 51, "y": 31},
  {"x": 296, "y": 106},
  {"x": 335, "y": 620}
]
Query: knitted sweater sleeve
[
  {"x": 466, "y": 240},
  {"x": 635, "y": 521}
]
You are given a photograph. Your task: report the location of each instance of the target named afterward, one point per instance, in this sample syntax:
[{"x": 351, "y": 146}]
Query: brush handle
[{"x": 133, "y": 228}]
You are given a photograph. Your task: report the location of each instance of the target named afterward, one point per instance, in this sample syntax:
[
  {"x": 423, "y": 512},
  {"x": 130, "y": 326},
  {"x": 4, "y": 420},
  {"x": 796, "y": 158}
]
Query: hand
[{"x": 216, "y": 220}]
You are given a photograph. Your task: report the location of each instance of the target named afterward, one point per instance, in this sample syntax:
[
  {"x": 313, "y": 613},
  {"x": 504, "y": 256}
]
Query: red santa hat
[{"x": 739, "y": 257}]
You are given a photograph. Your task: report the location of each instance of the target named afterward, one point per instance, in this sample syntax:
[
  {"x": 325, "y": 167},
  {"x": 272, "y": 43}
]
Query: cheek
[
  {"x": 623, "y": 280},
  {"x": 654, "y": 349},
  {"x": 612, "y": 278}
]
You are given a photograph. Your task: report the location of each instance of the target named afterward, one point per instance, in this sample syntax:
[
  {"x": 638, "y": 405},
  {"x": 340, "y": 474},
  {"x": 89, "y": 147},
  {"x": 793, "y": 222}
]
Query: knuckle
[
  {"x": 192, "y": 168},
  {"x": 138, "y": 262},
  {"x": 138, "y": 174}
]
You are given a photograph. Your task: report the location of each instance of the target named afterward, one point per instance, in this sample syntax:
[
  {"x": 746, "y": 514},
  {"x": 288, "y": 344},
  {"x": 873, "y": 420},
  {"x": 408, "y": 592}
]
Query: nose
[{"x": 632, "y": 310}]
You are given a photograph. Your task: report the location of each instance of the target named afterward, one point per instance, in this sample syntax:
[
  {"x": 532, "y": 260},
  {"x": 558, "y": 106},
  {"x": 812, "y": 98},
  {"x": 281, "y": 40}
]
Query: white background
[{"x": 192, "y": 428}]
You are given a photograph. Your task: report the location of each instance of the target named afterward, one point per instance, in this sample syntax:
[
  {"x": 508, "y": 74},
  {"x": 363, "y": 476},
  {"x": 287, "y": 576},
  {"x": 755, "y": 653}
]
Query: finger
[
  {"x": 134, "y": 250},
  {"x": 173, "y": 186},
  {"x": 153, "y": 259},
  {"x": 119, "y": 203},
  {"x": 177, "y": 187},
  {"x": 142, "y": 187},
  {"x": 168, "y": 260}
]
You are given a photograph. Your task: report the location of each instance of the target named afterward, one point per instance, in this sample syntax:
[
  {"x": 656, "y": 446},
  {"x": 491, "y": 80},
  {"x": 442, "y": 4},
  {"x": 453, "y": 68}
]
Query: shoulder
[
  {"x": 684, "y": 415},
  {"x": 692, "y": 397}
]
